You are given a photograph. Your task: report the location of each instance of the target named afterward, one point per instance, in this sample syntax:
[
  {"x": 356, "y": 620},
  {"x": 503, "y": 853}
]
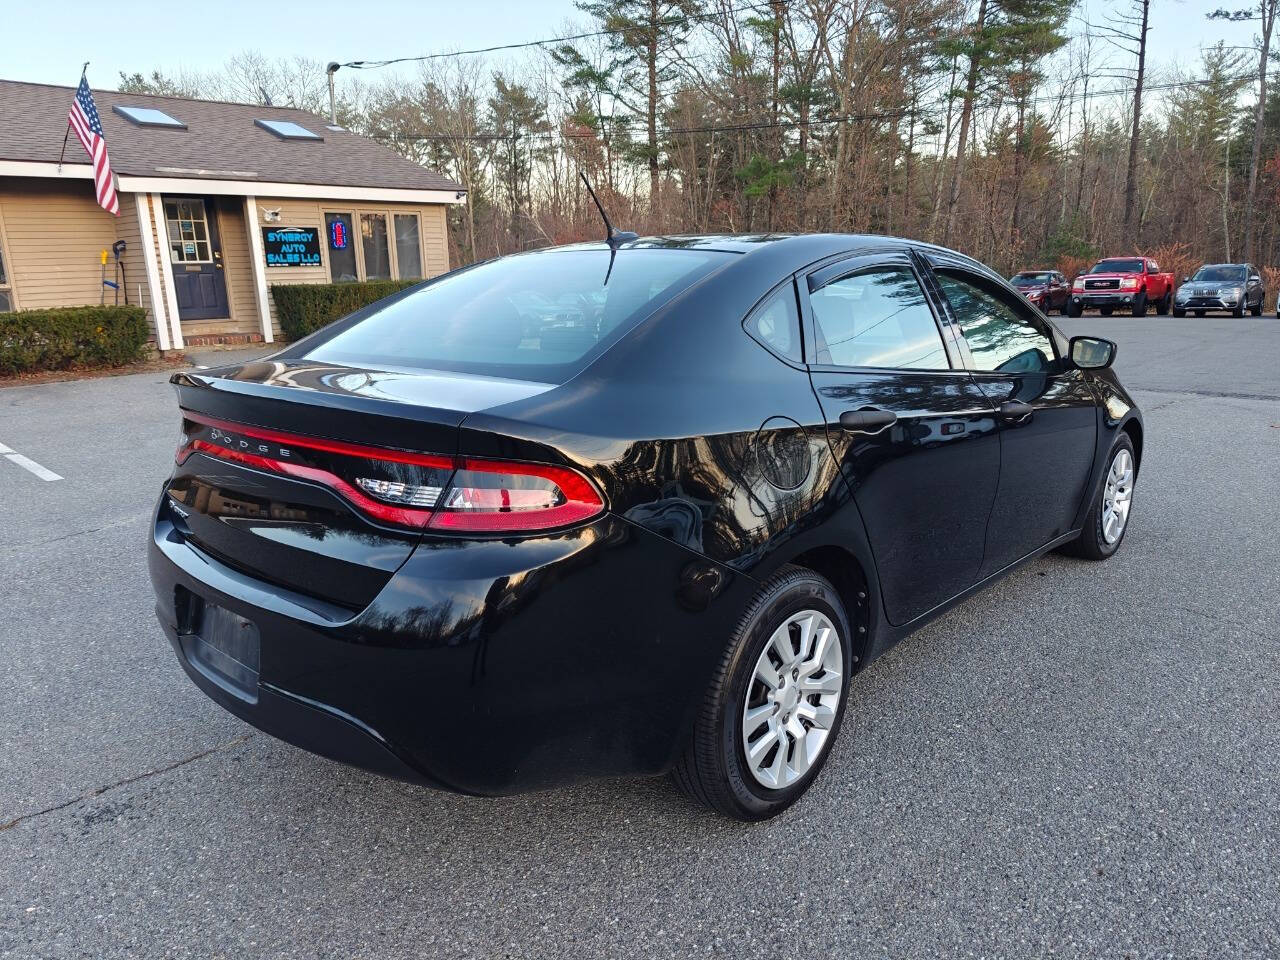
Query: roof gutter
[{"x": 235, "y": 188}]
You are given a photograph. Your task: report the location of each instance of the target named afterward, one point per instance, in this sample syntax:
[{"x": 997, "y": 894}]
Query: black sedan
[{"x": 459, "y": 540}]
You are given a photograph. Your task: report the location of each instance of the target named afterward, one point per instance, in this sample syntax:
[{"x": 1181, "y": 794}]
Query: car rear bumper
[{"x": 484, "y": 667}]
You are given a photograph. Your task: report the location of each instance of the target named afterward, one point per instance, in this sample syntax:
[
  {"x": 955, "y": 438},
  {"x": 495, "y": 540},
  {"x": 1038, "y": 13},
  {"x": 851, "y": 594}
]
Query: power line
[
  {"x": 662, "y": 22},
  {"x": 899, "y": 114}
]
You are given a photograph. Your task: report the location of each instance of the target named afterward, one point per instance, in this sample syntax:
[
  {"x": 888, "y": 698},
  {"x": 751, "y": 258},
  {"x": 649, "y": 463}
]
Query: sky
[{"x": 48, "y": 42}]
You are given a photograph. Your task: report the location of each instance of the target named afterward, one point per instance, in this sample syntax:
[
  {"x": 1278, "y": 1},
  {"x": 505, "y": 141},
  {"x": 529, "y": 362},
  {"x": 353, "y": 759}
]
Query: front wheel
[
  {"x": 1074, "y": 309},
  {"x": 1108, "y": 517},
  {"x": 1140, "y": 305},
  {"x": 1179, "y": 312},
  {"x": 776, "y": 700}
]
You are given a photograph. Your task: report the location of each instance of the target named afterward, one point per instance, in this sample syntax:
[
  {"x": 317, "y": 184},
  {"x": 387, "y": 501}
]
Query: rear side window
[
  {"x": 876, "y": 318},
  {"x": 775, "y": 324},
  {"x": 540, "y": 317}
]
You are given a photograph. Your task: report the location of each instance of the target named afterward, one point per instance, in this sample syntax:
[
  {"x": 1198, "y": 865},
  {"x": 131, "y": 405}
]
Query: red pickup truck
[{"x": 1122, "y": 283}]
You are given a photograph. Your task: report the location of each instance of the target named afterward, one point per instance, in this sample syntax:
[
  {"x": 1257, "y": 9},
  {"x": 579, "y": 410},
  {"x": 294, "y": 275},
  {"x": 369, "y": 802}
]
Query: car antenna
[{"x": 613, "y": 236}]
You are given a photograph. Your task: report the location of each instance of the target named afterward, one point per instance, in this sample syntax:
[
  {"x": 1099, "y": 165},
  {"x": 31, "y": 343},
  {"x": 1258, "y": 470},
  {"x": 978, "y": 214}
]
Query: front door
[
  {"x": 1047, "y": 413},
  {"x": 195, "y": 258},
  {"x": 914, "y": 435}
]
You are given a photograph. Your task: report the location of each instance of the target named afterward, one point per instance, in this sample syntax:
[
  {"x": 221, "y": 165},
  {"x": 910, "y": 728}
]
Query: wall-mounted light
[{"x": 271, "y": 215}]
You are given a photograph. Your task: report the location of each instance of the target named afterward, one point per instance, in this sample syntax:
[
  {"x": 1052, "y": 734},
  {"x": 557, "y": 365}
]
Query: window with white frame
[{"x": 188, "y": 231}]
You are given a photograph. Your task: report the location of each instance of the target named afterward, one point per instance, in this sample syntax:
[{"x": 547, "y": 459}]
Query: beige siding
[
  {"x": 135, "y": 264},
  {"x": 310, "y": 213},
  {"x": 56, "y": 233},
  {"x": 237, "y": 265}
]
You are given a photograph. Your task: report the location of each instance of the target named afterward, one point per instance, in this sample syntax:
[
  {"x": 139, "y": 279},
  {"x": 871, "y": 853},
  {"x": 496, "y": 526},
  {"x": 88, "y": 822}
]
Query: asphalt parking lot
[{"x": 1082, "y": 761}]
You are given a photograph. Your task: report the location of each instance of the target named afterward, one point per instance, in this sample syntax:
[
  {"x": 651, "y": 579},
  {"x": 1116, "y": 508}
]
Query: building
[{"x": 218, "y": 201}]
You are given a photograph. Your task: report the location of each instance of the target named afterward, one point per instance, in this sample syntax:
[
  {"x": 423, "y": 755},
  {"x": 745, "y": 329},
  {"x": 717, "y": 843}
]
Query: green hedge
[
  {"x": 66, "y": 337},
  {"x": 305, "y": 307}
]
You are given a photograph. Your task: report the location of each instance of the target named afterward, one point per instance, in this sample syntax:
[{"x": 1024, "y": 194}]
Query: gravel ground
[{"x": 1082, "y": 761}]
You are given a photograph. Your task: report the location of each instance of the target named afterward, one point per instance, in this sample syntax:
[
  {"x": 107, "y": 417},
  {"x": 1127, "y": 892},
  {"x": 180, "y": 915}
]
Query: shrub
[
  {"x": 64, "y": 337},
  {"x": 303, "y": 308}
]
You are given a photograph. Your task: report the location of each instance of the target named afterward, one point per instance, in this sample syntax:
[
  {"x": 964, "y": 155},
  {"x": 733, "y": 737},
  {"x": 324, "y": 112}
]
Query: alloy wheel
[
  {"x": 1117, "y": 496},
  {"x": 792, "y": 699}
]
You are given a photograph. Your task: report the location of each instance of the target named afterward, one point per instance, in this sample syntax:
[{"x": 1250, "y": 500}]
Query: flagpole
[{"x": 83, "y": 70}]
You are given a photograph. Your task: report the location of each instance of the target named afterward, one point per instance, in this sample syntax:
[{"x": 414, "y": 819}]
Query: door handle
[
  {"x": 866, "y": 421},
  {"x": 1015, "y": 411}
]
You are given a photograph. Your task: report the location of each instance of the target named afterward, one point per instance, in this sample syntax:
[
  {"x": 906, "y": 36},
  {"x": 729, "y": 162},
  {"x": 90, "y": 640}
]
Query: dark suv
[{"x": 1047, "y": 289}]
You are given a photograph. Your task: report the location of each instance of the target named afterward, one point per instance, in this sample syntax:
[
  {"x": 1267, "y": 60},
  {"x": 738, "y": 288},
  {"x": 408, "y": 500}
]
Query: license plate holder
[{"x": 226, "y": 647}]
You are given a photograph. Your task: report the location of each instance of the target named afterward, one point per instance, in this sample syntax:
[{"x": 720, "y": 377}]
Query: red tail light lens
[
  {"x": 489, "y": 495},
  {"x": 402, "y": 487}
]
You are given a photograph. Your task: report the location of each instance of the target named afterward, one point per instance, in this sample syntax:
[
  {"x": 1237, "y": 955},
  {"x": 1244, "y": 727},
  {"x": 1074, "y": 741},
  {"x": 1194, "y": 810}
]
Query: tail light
[{"x": 402, "y": 487}]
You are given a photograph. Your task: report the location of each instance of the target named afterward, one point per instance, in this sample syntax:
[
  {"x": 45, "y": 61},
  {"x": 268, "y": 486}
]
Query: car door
[
  {"x": 1253, "y": 290},
  {"x": 1046, "y": 410},
  {"x": 1061, "y": 290},
  {"x": 914, "y": 435}
]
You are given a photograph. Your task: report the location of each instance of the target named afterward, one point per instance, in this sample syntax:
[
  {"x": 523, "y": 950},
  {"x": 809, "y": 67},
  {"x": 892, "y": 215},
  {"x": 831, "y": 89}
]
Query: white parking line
[{"x": 26, "y": 463}]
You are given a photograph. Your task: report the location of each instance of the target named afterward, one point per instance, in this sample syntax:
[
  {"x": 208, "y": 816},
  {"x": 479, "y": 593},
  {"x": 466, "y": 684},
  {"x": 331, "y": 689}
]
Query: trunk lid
[{"x": 316, "y": 476}]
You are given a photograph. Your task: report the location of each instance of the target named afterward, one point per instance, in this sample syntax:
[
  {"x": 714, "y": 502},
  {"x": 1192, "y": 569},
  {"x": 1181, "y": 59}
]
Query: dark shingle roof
[{"x": 221, "y": 142}]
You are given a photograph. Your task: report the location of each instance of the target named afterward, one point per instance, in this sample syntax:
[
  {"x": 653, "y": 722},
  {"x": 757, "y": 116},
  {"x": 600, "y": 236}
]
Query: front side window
[
  {"x": 533, "y": 317},
  {"x": 876, "y": 318},
  {"x": 373, "y": 241},
  {"x": 1001, "y": 336}
]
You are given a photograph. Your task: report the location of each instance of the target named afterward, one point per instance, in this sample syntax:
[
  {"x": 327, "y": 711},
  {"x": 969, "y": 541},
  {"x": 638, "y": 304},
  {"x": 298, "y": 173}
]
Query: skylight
[
  {"x": 288, "y": 130},
  {"x": 148, "y": 117}
]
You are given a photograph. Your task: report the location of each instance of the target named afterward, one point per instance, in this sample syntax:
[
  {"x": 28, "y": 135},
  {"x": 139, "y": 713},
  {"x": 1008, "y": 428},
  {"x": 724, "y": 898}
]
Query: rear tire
[
  {"x": 1257, "y": 309},
  {"x": 715, "y": 769},
  {"x": 1162, "y": 305},
  {"x": 1108, "y": 517}
]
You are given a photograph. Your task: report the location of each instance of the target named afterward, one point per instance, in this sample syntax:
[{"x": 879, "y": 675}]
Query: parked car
[
  {"x": 1047, "y": 289},
  {"x": 1122, "y": 283},
  {"x": 426, "y": 543},
  {"x": 1236, "y": 287}
]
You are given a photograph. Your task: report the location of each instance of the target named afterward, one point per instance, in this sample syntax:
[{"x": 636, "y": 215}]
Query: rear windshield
[
  {"x": 540, "y": 317},
  {"x": 1220, "y": 273},
  {"x": 1118, "y": 266},
  {"x": 1025, "y": 278}
]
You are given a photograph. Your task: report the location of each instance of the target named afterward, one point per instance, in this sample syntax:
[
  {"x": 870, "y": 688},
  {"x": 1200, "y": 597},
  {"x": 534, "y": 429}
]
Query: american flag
[{"x": 84, "y": 121}]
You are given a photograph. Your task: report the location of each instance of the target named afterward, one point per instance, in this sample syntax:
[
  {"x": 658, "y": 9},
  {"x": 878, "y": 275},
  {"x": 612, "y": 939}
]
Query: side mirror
[
  {"x": 1186, "y": 279},
  {"x": 1092, "y": 353},
  {"x": 1255, "y": 279}
]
